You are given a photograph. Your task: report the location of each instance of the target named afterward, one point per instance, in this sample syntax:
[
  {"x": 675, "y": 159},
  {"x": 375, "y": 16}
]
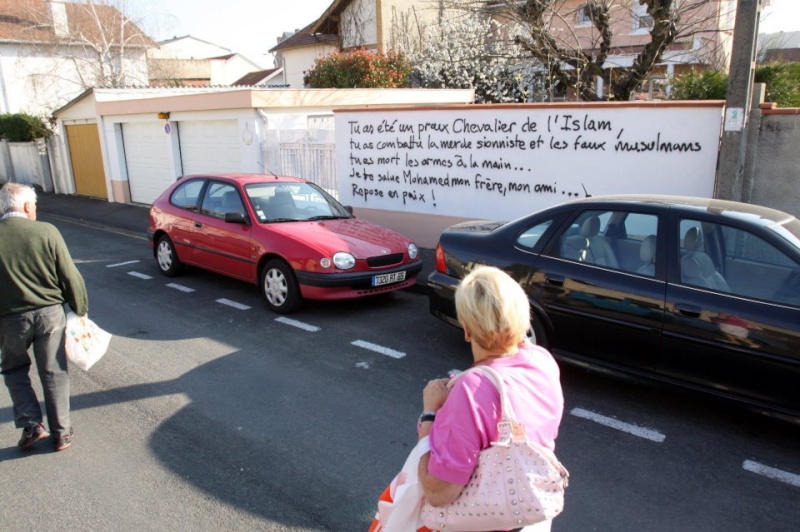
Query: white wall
[
  {"x": 502, "y": 162},
  {"x": 226, "y": 71},
  {"x": 38, "y": 84},
  {"x": 188, "y": 48},
  {"x": 358, "y": 25},
  {"x": 297, "y": 61}
]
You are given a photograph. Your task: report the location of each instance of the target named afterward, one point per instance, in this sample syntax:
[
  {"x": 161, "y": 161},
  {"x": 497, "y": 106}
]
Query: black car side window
[
  {"x": 187, "y": 194},
  {"x": 530, "y": 237},
  {"x": 757, "y": 269},
  {"x": 619, "y": 240}
]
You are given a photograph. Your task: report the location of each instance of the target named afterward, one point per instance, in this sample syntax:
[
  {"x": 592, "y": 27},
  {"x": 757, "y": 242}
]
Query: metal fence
[{"x": 306, "y": 153}]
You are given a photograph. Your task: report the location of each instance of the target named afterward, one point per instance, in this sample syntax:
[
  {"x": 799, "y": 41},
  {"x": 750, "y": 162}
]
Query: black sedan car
[{"x": 698, "y": 292}]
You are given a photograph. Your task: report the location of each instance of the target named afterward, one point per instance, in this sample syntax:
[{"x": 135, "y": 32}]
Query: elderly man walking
[{"x": 37, "y": 276}]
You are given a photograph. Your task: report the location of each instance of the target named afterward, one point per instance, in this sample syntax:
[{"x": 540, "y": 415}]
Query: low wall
[
  {"x": 772, "y": 167},
  {"x": 26, "y": 163}
]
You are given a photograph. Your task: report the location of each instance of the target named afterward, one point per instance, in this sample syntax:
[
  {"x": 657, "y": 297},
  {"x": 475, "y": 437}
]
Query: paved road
[{"x": 209, "y": 412}]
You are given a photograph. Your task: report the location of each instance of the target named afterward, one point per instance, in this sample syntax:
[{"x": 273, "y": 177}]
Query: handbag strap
[
  {"x": 506, "y": 410},
  {"x": 507, "y": 416}
]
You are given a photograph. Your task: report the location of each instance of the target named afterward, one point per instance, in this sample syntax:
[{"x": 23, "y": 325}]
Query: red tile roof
[
  {"x": 32, "y": 21},
  {"x": 789, "y": 55},
  {"x": 304, "y": 37},
  {"x": 254, "y": 78}
]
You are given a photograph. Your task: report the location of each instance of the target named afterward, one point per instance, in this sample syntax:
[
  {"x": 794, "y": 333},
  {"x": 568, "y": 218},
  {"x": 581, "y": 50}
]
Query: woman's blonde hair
[{"x": 493, "y": 308}]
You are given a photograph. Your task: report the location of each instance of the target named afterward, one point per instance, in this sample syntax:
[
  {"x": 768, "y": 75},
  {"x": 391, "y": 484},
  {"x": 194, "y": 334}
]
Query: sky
[{"x": 251, "y": 27}]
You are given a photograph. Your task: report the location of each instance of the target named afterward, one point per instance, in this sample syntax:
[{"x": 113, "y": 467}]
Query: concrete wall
[
  {"x": 772, "y": 165},
  {"x": 26, "y": 163}
]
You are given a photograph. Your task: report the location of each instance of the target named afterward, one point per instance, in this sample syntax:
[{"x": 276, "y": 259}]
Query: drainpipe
[
  {"x": 3, "y": 96},
  {"x": 262, "y": 138}
]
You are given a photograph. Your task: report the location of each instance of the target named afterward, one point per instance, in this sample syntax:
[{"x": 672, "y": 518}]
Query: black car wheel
[
  {"x": 280, "y": 287},
  {"x": 167, "y": 258}
]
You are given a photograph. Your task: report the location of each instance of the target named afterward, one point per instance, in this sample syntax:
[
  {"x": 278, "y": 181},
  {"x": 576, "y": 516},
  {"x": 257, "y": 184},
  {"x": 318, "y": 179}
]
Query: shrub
[
  {"x": 782, "y": 80},
  {"x": 21, "y": 127},
  {"x": 705, "y": 85},
  {"x": 359, "y": 69}
]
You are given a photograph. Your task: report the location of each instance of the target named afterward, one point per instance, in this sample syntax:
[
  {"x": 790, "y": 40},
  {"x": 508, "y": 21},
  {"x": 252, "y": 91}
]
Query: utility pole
[{"x": 730, "y": 167}]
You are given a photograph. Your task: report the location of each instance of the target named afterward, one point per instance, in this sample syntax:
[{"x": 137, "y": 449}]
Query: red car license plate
[{"x": 388, "y": 278}]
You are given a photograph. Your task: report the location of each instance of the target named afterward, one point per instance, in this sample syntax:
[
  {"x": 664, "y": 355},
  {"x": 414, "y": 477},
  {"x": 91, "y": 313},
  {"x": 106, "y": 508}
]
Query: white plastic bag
[
  {"x": 85, "y": 342},
  {"x": 402, "y": 512}
]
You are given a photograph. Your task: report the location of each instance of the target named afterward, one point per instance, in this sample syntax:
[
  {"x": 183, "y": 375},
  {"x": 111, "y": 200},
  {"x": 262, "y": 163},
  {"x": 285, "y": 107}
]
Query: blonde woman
[{"x": 461, "y": 419}]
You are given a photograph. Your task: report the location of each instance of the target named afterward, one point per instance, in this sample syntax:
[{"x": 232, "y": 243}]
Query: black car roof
[{"x": 733, "y": 209}]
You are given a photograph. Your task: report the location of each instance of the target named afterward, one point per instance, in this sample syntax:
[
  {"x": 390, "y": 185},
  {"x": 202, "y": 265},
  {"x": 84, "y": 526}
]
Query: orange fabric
[{"x": 386, "y": 496}]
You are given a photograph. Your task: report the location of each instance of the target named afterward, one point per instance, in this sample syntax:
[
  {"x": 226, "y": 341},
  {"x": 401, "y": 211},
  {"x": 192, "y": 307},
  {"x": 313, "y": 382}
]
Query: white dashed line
[
  {"x": 298, "y": 324},
  {"x": 636, "y": 430},
  {"x": 362, "y": 365},
  {"x": 771, "y": 472},
  {"x": 379, "y": 349},
  {"x": 233, "y": 304},
  {"x": 121, "y": 264},
  {"x": 140, "y": 275},
  {"x": 180, "y": 287}
]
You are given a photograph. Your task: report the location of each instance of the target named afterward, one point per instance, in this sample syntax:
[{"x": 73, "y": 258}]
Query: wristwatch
[{"x": 427, "y": 415}]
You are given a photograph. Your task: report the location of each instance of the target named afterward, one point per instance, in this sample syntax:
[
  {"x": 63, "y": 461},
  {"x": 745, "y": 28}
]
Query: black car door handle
[
  {"x": 198, "y": 224},
  {"x": 557, "y": 280},
  {"x": 690, "y": 311}
]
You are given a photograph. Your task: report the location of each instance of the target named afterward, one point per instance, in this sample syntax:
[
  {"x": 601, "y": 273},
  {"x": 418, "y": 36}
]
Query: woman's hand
[{"x": 435, "y": 394}]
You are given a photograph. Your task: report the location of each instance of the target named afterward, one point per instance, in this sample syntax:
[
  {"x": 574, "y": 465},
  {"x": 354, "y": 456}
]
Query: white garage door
[
  {"x": 147, "y": 156},
  {"x": 210, "y": 146}
]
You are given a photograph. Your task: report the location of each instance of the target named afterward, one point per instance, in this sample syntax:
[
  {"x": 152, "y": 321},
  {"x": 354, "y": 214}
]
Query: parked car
[
  {"x": 697, "y": 292},
  {"x": 284, "y": 234}
]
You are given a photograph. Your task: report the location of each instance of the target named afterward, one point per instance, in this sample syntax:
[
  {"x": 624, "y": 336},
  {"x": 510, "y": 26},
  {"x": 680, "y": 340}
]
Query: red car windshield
[{"x": 293, "y": 202}]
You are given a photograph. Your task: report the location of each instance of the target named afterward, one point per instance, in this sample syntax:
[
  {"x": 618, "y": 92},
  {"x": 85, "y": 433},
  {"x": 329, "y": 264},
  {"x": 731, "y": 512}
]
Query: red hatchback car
[{"x": 284, "y": 234}]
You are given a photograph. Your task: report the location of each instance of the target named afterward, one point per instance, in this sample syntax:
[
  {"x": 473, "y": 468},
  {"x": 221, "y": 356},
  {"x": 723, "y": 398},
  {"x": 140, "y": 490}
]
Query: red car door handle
[
  {"x": 689, "y": 311},
  {"x": 198, "y": 224}
]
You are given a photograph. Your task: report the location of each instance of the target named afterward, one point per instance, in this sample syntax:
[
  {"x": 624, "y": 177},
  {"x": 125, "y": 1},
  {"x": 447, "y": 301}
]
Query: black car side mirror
[{"x": 237, "y": 218}]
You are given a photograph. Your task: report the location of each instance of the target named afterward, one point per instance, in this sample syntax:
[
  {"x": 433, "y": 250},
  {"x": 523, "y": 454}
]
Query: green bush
[
  {"x": 705, "y": 85},
  {"x": 359, "y": 69},
  {"x": 21, "y": 127},
  {"x": 782, "y": 80}
]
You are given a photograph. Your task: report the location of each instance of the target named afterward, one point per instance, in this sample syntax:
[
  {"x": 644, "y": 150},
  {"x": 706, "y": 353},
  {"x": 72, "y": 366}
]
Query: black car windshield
[{"x": 293, "y": 202}]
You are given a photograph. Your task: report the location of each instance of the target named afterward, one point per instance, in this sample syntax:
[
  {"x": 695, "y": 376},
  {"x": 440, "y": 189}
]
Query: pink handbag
[{"x": 515, "y": 484}]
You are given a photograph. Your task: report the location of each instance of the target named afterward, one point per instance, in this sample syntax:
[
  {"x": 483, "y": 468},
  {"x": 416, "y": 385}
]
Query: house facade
[
  {"x": 705, "y": 37},
  {"x": 296, "y": 52},
  {"x": 191, "y": 62},
  {"x": 52, "y": 51}
]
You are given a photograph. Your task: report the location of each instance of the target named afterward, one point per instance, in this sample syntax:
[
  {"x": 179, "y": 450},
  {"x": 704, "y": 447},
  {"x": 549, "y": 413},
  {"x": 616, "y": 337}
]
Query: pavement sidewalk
[{"x": 134, "y": 218}]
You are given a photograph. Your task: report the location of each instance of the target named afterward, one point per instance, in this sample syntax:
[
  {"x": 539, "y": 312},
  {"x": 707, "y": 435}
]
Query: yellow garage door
[{"x": 87, "y": 160}]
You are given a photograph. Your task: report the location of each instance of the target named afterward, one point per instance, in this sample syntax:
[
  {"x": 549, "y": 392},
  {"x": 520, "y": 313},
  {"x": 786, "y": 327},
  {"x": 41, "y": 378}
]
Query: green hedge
[
  {"x": 21, "y": 127},
  {"x": 782, "y": 80}
]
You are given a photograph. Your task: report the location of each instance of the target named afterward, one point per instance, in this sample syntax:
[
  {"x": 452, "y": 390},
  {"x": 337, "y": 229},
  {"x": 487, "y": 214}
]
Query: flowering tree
[
  {"x": 359, "y": 69},
  {"x": 470, "y": 51},
  {"x": 571, "y": 40}
]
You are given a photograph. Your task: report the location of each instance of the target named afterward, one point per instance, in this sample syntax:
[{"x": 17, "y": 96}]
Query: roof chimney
[{"x": 59, "y": 13}]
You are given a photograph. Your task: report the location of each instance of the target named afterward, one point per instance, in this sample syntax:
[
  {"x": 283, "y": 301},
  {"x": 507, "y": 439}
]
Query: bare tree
[
  {"x": 573, "y": 41},
  {"x": 93, "y": 43}
]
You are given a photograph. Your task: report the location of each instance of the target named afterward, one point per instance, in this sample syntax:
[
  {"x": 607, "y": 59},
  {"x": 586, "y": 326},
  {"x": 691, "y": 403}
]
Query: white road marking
[
  {"x": 180, "y": 287},
  {"x": 771, "y": 472},
  {"x": 298, "y": 324},
  {"x": 233, "y": 304},
  {"x": 362, "y": 365},
  {"x": 378, "y": 349},
  {"x": 636, "y": 430},
  {"x": 140, "y": 275},
  {"x": 121, "y": 264}
]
